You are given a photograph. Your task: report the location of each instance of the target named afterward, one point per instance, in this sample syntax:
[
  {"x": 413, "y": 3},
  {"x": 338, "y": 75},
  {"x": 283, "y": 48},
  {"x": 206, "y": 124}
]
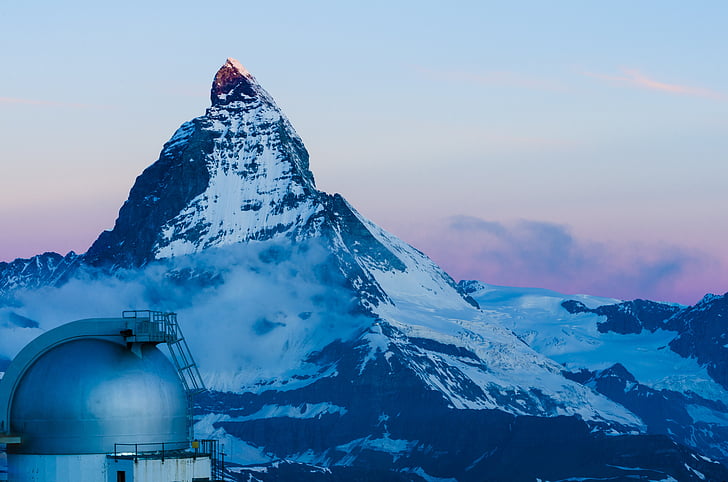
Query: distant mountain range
[{"x": 335, "y": 351}]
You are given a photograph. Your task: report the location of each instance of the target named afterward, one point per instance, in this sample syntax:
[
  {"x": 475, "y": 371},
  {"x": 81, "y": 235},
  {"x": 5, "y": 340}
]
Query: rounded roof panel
[{"x": 85, "y": 395}]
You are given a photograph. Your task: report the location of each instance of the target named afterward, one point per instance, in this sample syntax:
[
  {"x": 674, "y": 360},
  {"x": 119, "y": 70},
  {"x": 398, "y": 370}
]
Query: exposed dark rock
[
  {"x": 664, "y": 411},
  {"x": 628, "y": 316},
  {"x": 158, "y": 195},
  {"x": 232, "y": 83},
  {"x": 703, "y": 334},
  {"x": 384, "y": 404},
  {"x": 47, "y": 269}
]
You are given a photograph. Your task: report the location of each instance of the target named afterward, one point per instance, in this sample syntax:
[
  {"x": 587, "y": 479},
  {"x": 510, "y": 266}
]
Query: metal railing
[
  {"x": 156, "y": 325},
  {"x": 217, "y": 457},
  {"x": 153, "y": 450},
  {"x": 161, "y": 327},
  {"x": 164, "y": 450}
]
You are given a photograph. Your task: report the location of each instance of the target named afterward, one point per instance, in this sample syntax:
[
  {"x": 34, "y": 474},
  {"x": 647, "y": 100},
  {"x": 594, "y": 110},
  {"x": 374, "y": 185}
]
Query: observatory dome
[{"x": 85, "y": 395}]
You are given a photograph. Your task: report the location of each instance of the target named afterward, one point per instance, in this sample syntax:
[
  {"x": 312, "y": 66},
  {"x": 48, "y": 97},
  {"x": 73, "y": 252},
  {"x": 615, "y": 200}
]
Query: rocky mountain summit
[
  {"x": 335, "y": 351},
  {"x": 238, "y": 173}
]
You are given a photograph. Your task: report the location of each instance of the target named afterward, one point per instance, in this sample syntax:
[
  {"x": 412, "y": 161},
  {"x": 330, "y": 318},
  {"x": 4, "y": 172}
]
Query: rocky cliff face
[
  {"x": 47, "y": 269},
  {"x": 703, "y": 335},
  {"x": 627, "y": 317},
  {"x": 238, "y": 173}
]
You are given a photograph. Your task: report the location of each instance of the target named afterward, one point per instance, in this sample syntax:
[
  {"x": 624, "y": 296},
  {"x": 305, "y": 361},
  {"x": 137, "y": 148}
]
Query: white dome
[{"x": 85, "y": 395}]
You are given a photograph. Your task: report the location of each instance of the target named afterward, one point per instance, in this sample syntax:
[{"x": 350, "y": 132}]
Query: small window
[{"x": 120, "y": 476}]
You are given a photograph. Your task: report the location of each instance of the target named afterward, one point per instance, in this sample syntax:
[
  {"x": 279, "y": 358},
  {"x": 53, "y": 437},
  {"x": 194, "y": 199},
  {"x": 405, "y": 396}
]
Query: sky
[{"x": 577, "y": 146}]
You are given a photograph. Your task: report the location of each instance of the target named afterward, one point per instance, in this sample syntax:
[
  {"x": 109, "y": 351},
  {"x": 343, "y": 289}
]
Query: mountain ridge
[{"x": 329, "y": 342}]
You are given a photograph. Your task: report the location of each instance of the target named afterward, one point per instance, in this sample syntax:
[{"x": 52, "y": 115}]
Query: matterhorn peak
[
  {"x": 232, "y": 78},
  {"x": 237, "y": 173}
]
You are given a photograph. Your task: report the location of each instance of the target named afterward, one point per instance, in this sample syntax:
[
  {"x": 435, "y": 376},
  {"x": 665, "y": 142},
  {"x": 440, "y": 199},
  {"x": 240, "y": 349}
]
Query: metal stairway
[{"x": 159, "y": 327}]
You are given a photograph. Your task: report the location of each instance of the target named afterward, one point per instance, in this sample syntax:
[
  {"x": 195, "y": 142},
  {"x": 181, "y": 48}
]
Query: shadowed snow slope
[{"x": 635, "y": 352}]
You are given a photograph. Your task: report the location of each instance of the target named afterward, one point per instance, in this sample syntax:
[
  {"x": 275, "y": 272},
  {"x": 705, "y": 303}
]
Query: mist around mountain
[{"x": 335, "y": 351}]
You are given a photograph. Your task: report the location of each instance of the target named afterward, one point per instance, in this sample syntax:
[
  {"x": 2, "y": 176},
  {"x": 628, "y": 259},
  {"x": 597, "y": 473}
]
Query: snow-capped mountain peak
[{"x": 240, "y": 172}]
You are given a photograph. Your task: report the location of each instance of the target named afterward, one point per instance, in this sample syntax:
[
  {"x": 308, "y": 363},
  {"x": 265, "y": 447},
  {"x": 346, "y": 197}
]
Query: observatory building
[{"x": 96, "y": 401}]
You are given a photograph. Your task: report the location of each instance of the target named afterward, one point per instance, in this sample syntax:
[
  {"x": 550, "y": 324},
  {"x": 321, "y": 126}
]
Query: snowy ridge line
[{"x": 510, "y": 376}]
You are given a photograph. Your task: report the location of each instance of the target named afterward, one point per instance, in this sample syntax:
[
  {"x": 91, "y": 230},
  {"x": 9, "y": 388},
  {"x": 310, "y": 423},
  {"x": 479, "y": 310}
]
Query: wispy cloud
[
  {"x": 493, "y": 78},
  {"x": 267, "y": 339},
  {"x": 549, "y": 255},
  {"x": 635, "y": 78},
  {"x": 50, "y": 103}
]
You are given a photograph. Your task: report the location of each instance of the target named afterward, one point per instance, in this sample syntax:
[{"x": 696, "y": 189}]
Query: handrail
[
  {"x": 160, "y": 326},
  {"x": 158, "y": 448},
  {"x": 202, "y": 448}
]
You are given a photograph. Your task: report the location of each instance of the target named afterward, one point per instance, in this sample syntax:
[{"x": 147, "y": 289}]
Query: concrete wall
[
  {"x": 58, "y": 468},
  {"x": 100, "y": 468},
  {"x": 182, "y": 470},
  {"x": 120, "y": 465}
]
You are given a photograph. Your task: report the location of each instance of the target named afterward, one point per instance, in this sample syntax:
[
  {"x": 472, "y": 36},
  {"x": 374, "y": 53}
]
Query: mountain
[
  {"x": 661, "y": 361},
  {"x": 47, "y": 269},
  {"x": 335, "y": 351},
  {"x": 238, "y": 173}
]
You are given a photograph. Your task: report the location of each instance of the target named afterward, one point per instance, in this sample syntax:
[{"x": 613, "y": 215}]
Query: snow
[
  {"x": 181, "y": 135},
  {"x": 662, "y": 477},
  {"x": 394, "y": 447},
  {"x": 311, "y": 457},
  {"x": 306, "y": 410},
  {"x": 377, "y": 342},
  {"x": 236, "y": 449},
  {"x": 511, "y": 368},
  {"x": 252, "y": 179},
  {"x": 494, "y": 294},
  {"x": 701, "y": 413},
  {"x": 694, "y": 471},
  {"x": 427, "y": 477},
  {"x": 574, "y": 340},
  {"x": 424, "y": 283}
]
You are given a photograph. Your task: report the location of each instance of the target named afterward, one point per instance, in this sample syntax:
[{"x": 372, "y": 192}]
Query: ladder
[{"x": 161, "y": 327}]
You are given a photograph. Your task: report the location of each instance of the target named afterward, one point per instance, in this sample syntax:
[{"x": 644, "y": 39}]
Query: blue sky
[{"x": 596, "y": 128}]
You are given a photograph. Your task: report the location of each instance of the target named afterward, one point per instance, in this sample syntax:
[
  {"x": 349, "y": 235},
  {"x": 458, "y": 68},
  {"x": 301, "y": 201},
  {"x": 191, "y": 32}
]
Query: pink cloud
[
  {"x": 548, "y": 255},
  {"x": 636, "y": 78}
]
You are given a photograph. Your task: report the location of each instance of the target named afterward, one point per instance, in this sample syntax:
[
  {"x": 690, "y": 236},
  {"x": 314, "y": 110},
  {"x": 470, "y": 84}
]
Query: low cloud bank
[
  {"x": 249, "y": 312},
  {"x": 548, "y": 255}
]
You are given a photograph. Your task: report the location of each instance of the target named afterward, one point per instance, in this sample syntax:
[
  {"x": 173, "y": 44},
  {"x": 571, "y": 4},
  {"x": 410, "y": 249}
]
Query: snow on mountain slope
[
  {"x": 259, "y": 183},
  {"x": 574, "y": 340},
  {"x": 238, "y": 173},
  {"x": 672, "y": 393},
  {"x": 449, "y": 347},
  {"x": 419, "y": 280},
  {"x": 40, "y": 270}
]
